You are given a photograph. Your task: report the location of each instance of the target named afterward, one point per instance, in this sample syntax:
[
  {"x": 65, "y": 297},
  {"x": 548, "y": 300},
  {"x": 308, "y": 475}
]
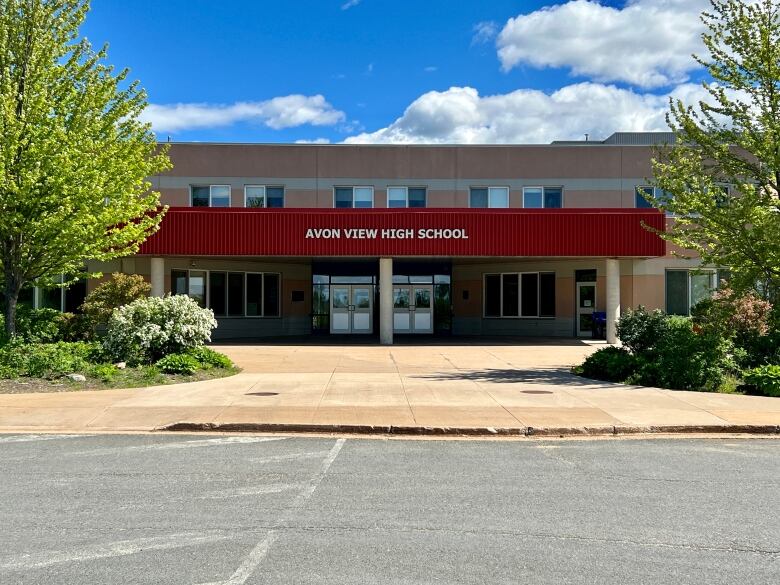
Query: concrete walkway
[{"x": 505, "y": 386}]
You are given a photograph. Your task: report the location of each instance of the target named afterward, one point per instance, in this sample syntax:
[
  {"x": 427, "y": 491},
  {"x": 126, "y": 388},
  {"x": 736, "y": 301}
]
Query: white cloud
[
  {"x": 484, "y": 32},
  {"x": 461, "y": 115},
  {"x": 313, "y": 141},
  {"x": 277, "y": 113},
  {"x": 350, "y": 3},
  {"x": 647, "y": 43}
]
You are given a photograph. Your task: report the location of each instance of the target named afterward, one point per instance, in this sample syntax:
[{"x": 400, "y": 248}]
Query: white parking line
[
  {"x": 27, "y": 438},
  {"x": 257, "y": 490},
  {"x": 113, "y": 549},
  {"x": 180, "y": 445},
  {"x": 259, "y": 552}
]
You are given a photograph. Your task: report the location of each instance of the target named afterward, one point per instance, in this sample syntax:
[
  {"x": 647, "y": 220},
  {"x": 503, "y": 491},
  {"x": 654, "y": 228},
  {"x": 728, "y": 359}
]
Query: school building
[{"x": 304, "y": 239}]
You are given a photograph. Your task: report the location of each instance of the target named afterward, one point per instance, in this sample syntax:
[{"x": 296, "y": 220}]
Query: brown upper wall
[{"x": 409, "y": 162}]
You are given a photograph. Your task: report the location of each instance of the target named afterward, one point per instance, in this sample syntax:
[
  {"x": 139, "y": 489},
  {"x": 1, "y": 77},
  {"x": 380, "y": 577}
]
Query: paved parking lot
[{"x": 240, "y": 510}]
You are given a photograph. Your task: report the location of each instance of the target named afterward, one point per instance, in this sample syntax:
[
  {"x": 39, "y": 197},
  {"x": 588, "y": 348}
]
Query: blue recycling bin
[{"x": 599, "y": 325}]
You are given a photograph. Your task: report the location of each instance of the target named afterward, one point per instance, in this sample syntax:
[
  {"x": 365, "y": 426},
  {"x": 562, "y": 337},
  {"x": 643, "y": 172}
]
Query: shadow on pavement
[{"x": 550, "y": 376}]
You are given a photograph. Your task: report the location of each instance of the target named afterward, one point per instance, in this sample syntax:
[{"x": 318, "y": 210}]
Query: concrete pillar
[
  {"x": 386, "y": 301},
  {"x": 613, "y": 298},
  {"x": 158, "y": 277}
]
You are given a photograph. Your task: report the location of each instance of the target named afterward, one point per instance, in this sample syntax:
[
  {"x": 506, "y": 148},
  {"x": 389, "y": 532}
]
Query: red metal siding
[{"x": 491, "y": 232}]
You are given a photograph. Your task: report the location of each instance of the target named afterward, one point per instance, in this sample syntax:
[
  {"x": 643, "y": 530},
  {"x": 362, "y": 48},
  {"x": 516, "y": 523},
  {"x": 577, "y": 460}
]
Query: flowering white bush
[{"x": 149, "y": 329}]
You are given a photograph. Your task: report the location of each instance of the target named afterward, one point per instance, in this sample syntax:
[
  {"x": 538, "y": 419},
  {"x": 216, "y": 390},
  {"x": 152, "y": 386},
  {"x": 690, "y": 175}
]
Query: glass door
[
  {"x": 586, "y": 305},
  {"x": 362, "y": 318},
  {"x": 351, "y": 308},
  {"x": 422, "y": 311},
  {"x": 340, "y": 319},
  {"x": 402, "y": 320}
]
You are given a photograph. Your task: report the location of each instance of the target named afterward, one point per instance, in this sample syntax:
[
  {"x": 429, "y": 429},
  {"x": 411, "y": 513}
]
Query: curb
[{"x": 610, "y": 430}]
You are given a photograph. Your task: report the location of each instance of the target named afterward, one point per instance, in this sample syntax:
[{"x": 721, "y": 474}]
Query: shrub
[
  {"x": 148, "y": 329},
  {"x": 208, "y": 358},
  {"x": 639, "y": 329},
  {"x": 34, "y": 325},
  {"x": 613, "y": 364},
  {"x": 745, "y": 319},
  {"x": 178, "y": 363},
  {"x": 43, "y": 360},
  {"x": 121, "y": 290},
  {"x": 764, "y": 379},
  {"x": 73, "y": 327},
  {"x": 103, "y": 372},
  {"x": 684, "y": 359}
]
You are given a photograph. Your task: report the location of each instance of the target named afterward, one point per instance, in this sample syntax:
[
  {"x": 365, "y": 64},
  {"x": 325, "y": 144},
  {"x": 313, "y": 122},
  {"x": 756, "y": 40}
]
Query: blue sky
[{"x": 401, "y": 71}]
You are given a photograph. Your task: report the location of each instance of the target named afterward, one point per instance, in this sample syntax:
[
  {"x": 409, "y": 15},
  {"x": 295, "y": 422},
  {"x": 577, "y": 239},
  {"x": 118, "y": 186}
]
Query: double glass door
[
  {"x": 351, "y": 308},
  {"x": 413, "y": 308}
]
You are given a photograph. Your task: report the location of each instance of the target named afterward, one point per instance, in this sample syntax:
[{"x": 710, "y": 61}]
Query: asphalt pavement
[{"x": 208, "y": 509}]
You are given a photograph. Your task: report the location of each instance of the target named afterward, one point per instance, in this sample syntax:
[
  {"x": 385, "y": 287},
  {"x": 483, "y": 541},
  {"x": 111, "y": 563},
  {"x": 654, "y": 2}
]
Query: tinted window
[
  {"x": 529, "y": 304},
  {"x": 178, "y": 282},
  {"x": 479, "y": 198},
  {"x": 532, "y": 197},
  {"x": 200, "y": 196},
  {"x": 547, "y": 294},
  {"x": 510, "y": 286},
  {"x": 553, "y": 197},
  {"x": 274, "y": 196},
  {"x": 254, "y": 295},
  {"x": 217, "y": 292},
  {"x": 271, "y": 295},
  {"x": 641, "y": 197},
  {"x": 417, "y": 197},
  {"x": 235, "y": 294},
  {"x": 220, "y": 196},
  {"x": 343, "y": 196},
  {"x": 492, "y": 295},
  {"x": 677, "y": 292}
]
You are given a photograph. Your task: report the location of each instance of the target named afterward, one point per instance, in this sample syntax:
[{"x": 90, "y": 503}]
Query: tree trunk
[{"x": 12, "y": 288}]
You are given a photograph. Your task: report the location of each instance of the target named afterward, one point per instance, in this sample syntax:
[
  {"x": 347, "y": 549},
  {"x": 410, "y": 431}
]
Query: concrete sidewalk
[{"x": 505, "y": 388}]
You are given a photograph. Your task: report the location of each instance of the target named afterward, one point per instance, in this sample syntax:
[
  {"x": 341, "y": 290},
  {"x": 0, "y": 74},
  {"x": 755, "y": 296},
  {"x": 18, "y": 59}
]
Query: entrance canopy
[{"x": 408, "y": 232}]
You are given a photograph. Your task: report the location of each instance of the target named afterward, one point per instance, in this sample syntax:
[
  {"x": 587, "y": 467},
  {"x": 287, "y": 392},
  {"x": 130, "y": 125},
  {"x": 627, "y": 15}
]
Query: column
[
  {"x": 613, "y": 298},
  {"x": 386, "y": 301},
  {"x": 158, "y": 277}
]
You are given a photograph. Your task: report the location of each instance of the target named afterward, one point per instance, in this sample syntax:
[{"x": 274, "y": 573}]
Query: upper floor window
[
  {"x": 357, "y": 197},
  {"x": 489, "y": 197},
  {"x": 263, "y": 196},
  {"x": 643, "y": 194},
  {"x": 210, "y": 195},
  {"x": 406, "y": 196},
  {"x": 538, "y": 197}
]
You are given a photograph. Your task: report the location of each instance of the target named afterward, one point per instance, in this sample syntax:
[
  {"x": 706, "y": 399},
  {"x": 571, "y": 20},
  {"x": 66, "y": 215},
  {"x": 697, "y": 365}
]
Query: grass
[{"x": 107, "y": 379}]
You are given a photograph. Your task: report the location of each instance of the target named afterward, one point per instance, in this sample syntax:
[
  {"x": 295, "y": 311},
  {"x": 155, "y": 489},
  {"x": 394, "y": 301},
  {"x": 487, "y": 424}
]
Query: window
[
  {"x": 357, "y": 197},
  {"x": 263, "y": 196},
  {"x": 210, "y": 195},
  {"x": 231, "y": 294},
  {"x": 538, "y": 197},
  {"x": 520, "y": 294},
  {"x": 406, "y": 196},
  {"x": 641, "y": 197},
  {"x": 643, "y": 193},
  {"x": 494, "y": 197},
  {"x": 685, "y": 288},
  {"x": 65, "y": 299}
]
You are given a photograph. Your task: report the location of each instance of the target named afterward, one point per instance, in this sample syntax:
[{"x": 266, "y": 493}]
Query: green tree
[
  {"x": 720, "y": 179},
  {"x": 74, "y": 155}
]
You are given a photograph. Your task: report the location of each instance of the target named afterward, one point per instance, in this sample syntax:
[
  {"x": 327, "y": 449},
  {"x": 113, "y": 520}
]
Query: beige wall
[{"x": 592, "y": 176}]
